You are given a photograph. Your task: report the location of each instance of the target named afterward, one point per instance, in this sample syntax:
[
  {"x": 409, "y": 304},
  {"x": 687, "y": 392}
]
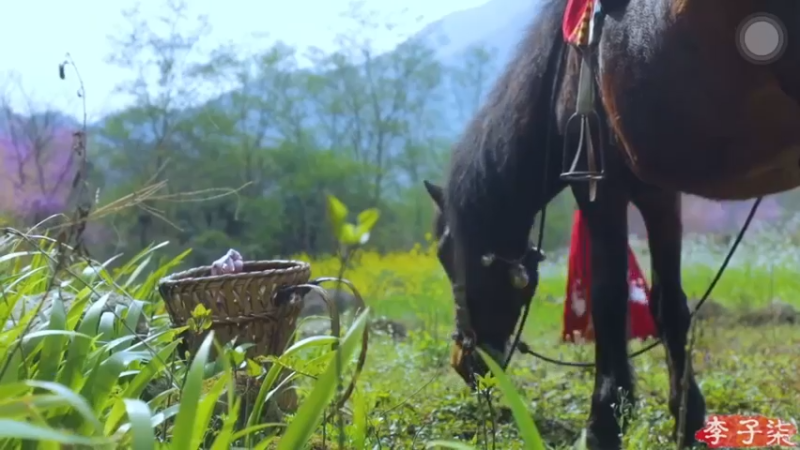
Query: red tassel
[{"x": 577, "y": 305}]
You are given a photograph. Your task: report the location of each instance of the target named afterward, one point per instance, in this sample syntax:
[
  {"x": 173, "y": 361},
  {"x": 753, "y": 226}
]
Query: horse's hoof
[
  {"x": 695, "y": 418},
  {"x": 693, "y": 424}
]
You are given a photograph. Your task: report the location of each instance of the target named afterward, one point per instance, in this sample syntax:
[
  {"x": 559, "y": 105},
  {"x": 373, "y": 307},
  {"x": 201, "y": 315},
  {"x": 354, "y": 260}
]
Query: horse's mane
[{"x": 486, "y": 169}]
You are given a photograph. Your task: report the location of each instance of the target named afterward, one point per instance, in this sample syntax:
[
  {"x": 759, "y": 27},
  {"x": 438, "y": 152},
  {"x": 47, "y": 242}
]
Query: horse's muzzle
[{"x": 469, "y": 364}]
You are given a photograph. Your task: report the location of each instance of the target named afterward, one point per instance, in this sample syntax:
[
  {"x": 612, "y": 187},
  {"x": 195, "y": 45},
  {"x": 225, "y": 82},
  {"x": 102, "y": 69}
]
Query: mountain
[{"x": 497, "y": 24}]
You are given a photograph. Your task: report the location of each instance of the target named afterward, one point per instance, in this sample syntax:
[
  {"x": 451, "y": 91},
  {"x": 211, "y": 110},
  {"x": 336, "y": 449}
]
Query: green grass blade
[
  {"x": 11, "y": 375},
  {"x": 206, "y": 408},
  {"x": 44, "y": 333},
  {"x": 144, "y": 437},
  {"x": 106, "y": 326},
  {"x": 313, "y": 341},
  {"x": 161, "y": 417},
  {"x": 265, "y": 444},
  {"x": 359, "y": 435},
  {"x": 184, "y": 429},
  {"x": 225, "y": 437},
  {"x": 275, "y": 371},
  {"x": 137, "y": 271},
  {"x": 22, "y": 430},
  {"x": 74, "y": 400},
  {"x": 149, "y": 286},
  {"x": 72, "y": 373},
  {"x": 250, "y": 430},
  {"x": 153, "y": 368},
  {"x": 53, "y": 346},
  {"x": 30, "y": 405},
  {"x": 310, "y": 412},
  {"x": 449, "y": 444},
  {"x": 527, "y": 427},
  {"x": 132, "y": 315}
]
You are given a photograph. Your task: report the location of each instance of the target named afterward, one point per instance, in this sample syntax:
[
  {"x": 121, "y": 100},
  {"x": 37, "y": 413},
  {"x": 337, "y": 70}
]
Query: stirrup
[
  {"x": 586, "y": 115},
  {"x": 595, "y": 161}
]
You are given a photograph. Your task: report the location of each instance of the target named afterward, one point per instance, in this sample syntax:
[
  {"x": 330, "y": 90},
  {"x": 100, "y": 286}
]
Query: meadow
[{"x": 94, "y": 382}]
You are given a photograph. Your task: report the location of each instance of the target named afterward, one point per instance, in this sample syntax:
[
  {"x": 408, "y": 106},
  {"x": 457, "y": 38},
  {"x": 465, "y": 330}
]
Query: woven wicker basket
[
  {"x": 248, "y": 305},
  {"x": 259, "y": 305}
]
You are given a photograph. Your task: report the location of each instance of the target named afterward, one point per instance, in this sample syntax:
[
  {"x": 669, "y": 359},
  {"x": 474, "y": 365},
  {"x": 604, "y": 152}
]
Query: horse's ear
[{"x": 436, "y": 193}]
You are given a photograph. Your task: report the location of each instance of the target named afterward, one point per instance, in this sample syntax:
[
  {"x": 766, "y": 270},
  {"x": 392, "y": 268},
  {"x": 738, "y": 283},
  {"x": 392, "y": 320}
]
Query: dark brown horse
[{"x": 677, "y": 112}]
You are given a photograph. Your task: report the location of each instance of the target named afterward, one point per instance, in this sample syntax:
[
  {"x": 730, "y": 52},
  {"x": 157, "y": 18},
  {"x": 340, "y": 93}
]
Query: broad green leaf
[
  {"x": 338, "y": 213},
  {"x": 368, "y": 218},
  {"x": 527, "y": 427},
  {"x": 348, "y": 235},
  {"x": 184, "y": 429},
  {"x": 253, "y": 369},
  {"x": 310, "y": 412},
  {"x": 336, "y": 209}
]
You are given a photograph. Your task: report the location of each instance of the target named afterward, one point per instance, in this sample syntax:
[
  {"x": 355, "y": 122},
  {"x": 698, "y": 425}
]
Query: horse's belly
[{"x": 690, "y": 111}]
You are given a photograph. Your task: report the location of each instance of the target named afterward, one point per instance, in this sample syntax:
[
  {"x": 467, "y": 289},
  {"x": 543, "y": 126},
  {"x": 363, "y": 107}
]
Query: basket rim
[{"x": 185, "y": 277}]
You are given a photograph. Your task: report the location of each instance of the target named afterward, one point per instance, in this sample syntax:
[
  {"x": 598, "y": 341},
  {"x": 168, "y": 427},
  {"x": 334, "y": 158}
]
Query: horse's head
[{"x": 489, "y": 293}]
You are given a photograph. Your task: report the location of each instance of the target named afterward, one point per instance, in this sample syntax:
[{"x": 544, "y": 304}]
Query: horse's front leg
[
  {"x": 606, "y": 218},
  {"x": 662, "y": 216}
]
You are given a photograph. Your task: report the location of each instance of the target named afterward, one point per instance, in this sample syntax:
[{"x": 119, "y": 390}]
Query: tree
[
  {"x": 470, "y": 79},
  {"x": 383, "y": 102},
  {"x": 38, "y": 162},
  {"x": 141, "y": 140}
]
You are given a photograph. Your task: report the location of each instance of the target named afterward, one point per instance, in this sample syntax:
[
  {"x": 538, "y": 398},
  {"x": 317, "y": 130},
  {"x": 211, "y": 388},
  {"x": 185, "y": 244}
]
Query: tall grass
[
  {"x": 78, "y": 366},
  {"x": 76, "y": 369}
]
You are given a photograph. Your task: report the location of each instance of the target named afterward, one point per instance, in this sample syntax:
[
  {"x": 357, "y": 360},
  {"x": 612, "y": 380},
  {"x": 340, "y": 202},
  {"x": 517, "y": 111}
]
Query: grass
[{"x": 84, "y": 376}]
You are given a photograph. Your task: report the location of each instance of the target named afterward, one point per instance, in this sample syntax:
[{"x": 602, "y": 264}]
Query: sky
[{"x": 45, "y": 30}]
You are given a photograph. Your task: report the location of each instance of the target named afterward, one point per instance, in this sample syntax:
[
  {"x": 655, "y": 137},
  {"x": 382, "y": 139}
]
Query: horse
[{"x": 505, "y": 167}]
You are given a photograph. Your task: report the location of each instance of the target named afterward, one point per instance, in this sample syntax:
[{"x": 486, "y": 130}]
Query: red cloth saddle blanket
[
  {"x": 577, "y": 306},
  {"x": 577, "y": 18}
]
